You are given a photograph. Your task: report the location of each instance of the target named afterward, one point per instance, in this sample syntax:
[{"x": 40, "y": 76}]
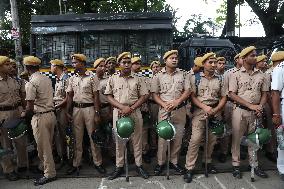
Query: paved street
[{"x": 218, "y": 181}]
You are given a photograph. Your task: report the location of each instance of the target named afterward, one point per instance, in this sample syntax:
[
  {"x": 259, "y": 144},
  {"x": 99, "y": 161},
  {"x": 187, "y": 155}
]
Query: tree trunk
[{"x": 230, "y": 20}]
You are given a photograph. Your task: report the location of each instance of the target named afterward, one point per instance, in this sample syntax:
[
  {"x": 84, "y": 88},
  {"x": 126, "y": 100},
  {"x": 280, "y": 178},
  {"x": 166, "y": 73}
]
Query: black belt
[
  {"x": 229, "y": 99},
  {"x": 181, "y": 105},
  {"x": 40, "y": 113},
  {"x": 243, "y": 107},
  {"x": 104, "y": 105},
  {"x": 9, "y": 108},
  {"x": 82, "y": 105},
  {"x": 152, "y": 101}
]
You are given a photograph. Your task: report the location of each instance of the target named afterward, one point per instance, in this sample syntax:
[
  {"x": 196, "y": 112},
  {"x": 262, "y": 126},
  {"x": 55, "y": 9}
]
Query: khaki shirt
[
  {"x": 102, "y": 88},
  {"x": 209, "y": 91},
  {"x": 170, "y": 87},
  {"x": 249, "y": 86},
  {"x": 126, "y": 90},
  {"x": 83, "y": 87},
  {"x": 60, "y": 88},
  {"x": 39, "y": 89},
  {"x": 9, "y": 92},
  {"x": 227, "y": 75}
]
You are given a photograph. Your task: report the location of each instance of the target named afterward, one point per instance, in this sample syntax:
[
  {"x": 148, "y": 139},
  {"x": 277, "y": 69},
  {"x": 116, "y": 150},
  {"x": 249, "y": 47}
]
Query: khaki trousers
[
  {"x": 136, "y": 139},
  {"x": 7, "y": 144},
  {"x": 197, "y": 136},
  {"x": 43, "y": 130},
  {"x": 60, "y": 132},
  {"x": 84, "y": 117},
  {"x": 243, "y": 122},
  {"x": 178, "y": 119}
]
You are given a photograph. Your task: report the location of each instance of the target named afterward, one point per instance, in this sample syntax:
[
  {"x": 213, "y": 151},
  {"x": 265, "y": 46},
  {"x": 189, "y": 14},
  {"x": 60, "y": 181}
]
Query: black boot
[
  {"x": 158, "y": 169},
  {"x": 43, "y": 180},
  {"x": 100, "y": 169},
  {"x": 12, "y": 176},
  {"x": 237, "y": 172},
  {"x": 259, "y": 172},
  {"x": 188, "y": 176},
  {"x": 177, "y": 168},
  {"x": 142, "y": 172},
  {"x": 73, "y": 170},
  {"x": 116, "y": 173},
  {"x": 211, "y": 168}
]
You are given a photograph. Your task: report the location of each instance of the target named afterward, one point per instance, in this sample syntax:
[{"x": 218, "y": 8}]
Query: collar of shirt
[
  {"x": 34, "y": 74},
  {"x": 254, "y": 70},
  {"x": 203, "y": 75},
  {"x": 165, "y": 71},
  {"x": 87, "y": 73},
  {"x": 61, "y": 77},
  {"x": 131, "y": 75}
]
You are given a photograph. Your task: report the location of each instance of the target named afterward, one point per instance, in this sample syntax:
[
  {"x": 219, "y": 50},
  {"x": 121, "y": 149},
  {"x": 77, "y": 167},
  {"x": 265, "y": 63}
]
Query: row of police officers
[{"x": 237, "y": 96}]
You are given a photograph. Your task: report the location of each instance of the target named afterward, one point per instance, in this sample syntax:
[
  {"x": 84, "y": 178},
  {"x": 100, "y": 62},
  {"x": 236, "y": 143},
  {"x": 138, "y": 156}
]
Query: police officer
[
  {"x": 220, "y": 66},
  {"x": 10, "y": 109},
  {"x": 106, "y": 109},
  {"x": 39, "y": 96},
  {"x": 275, "y": 61},
  {"x": 155, "y": 66},
  {"x": 135, "y": 68},
  {"x": 277, "y": 93},
  {"x": 224, "y": 143},
  {"x": 197, "y": 67},
  {"x": 248, "y": 88},
  {"x": 171, "y": 88},
  {"x": 126, "y": 92},
  {"x": 60, "y": 101},
  {"x": 83, "y": 90},
  {"x": 209, "y": 98},
  {"x": 261, "y": 64}
]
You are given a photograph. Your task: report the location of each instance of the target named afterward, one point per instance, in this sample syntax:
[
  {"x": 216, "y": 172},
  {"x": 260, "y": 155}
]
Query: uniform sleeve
[
  {"x": 187, "y": 83},
  {"x": 69, "y": 85},
  {"x": 66, "y": 84},
  {"x": 155, "y": 84},
  {"x": 266, "y": 84},
  {"x": 192, "y": 81},
  {"x": 109, "y": 86},
  {"x": 22, "y": 89},
  {"x": 95, "y": 84},
  {"x": 30, "y": 91},
  {"x": 224, "y": 89},
  {"x": 233, "y": 82},
  {"x": 143, "y": 90},
  {"x": 226, "y": 82},
  {"x": 277, "y": 82}
]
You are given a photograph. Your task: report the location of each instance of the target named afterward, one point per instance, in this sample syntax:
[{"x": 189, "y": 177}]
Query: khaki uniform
[
  {"x": 224, "y": 142},
  {"x": 248, "y": 87},
  {"x": 171, "y": 87},
  {"x": 127, "y": 91},
  {"x": 10, "y": 96},
  {"x": 59, "y": 96},
  {"x": 39, "y": 89},
  {"x": 209, "y": 92},
  {"x": 84, "y": 89}
]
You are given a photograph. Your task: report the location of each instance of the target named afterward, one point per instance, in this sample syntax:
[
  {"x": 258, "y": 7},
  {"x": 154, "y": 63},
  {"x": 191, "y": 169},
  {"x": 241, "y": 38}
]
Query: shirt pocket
[
  {"x": 134, "y": 89},
  {"x": 179, "y": 85},
  {"x": 118, "y": 89},
  {"x": 202, "y": 88},
  {"x": 257, "y": 84},
  {"x": 4, "y": 90},
  {"x": 165, "y": 86},
  {"x": 87, "y": 88}
]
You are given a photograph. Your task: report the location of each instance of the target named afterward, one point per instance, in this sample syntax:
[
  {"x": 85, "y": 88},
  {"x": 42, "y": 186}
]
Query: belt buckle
[{"x": 80, "y": 105}]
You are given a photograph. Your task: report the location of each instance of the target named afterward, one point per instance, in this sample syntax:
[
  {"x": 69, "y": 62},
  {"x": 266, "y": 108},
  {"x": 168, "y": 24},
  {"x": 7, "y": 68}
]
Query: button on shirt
[
  {"x": 39, "y": 89},
  {"x": 277, "y": 83},
  {"x": 249, "y": 86},
  {"x": 84, "y": 87},
  {"x": 170, "y": 87}
]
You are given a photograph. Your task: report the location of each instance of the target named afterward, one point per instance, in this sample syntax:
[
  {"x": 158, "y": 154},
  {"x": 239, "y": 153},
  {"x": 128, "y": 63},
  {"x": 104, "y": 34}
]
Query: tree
[{"x": 269, "y": 12}]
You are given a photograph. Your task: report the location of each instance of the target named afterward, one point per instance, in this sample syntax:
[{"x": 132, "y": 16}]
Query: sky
[{"x": 185, "y": 8}]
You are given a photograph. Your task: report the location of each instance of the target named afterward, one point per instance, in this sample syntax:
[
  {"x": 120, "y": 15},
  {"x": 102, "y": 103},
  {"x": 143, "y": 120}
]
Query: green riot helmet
[
  {"x": 217, "y": 127},
  {"x": 166, "y": 130},
  {"x": 125, "y": 127},
  {"x": 260, "y": 136},
  {"x": 16, "y": 128}
]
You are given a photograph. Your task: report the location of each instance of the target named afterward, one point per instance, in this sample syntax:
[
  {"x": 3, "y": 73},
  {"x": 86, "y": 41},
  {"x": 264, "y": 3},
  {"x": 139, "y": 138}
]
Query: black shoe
[
  {"x": 271, "y": 157},
  {"x": 116, "y": 173},
  {"x": 177, "y": 168},
  {"x": 222, "y": 158},
  {"x": 22, "y": 169},
  {"x": 146, "y": 158},
  {"x": 237, "y": 172},
  {"x": 188, "y": 176},
  {"x": 12, "y": 176},
  {"x": 158, "y": 169},
  {"x": 73, "y": 170},
  {"x": 142, "y": 172},
  {"x": 43, "y": 180},
  {"x": 211, "y": 168},
  {"x": 259, "y": 172},
  {"x": 100, "y": 169}
]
